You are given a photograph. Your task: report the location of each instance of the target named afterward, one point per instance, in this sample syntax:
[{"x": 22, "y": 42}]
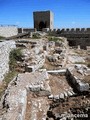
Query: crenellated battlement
[
  {"x": 75, "y": 36},
  {"x": 72, "y": 30}
]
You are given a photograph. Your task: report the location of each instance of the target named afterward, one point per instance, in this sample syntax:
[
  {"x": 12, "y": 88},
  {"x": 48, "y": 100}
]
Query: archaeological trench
[{"x": 52, "y": 80}]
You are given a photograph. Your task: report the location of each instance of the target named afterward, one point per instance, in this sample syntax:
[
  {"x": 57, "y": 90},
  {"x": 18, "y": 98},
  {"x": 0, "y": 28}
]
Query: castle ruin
[{"x": 43, "y": 19}]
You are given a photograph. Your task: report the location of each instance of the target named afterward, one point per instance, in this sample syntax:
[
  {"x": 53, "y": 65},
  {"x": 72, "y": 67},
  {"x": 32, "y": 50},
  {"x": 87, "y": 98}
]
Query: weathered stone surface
[
  {"x": 8, "y": 31},
  {"x": 65, "y": 94},
  {"x": 15, "y": 98},
  {"x": 83, "y": 86},
  {"x": 38, "y": 20},
  {"x": 76, "y": 59},
  {"x": 69, "y": 93},
  {"x": 51, "y": 96},
  {"x": 61, "y": 96},
  {"x": 76, "y": 76},
  {"x": 56, "y": 97},
  {"x": 5, "y": 48}
]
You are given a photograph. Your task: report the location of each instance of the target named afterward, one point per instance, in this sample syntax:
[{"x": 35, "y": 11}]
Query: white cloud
[
  {"x": 73, "y": 22},
  {"x": 17, "y": 23}
]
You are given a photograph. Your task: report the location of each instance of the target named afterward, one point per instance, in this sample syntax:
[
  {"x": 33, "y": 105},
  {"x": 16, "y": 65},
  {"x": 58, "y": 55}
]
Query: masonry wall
[
  {"x": 74, "y": 36},
  {"x": 5, "y": 48},
  {"x": 43, "y": 16},
  {"x": 8, "y": 31}
]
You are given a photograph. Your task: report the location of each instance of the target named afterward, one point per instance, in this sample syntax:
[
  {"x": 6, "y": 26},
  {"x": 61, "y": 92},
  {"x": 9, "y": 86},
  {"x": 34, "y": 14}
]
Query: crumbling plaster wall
[{"x": 5, "y": 48}]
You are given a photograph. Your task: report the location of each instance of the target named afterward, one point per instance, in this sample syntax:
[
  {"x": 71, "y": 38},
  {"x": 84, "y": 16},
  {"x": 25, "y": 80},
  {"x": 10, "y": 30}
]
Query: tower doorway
[{"x": 42, "y": 25}]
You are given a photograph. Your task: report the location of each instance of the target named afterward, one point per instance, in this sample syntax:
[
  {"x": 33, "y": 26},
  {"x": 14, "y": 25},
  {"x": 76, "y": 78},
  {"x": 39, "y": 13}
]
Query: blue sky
[{"x": 67, "y": 13}]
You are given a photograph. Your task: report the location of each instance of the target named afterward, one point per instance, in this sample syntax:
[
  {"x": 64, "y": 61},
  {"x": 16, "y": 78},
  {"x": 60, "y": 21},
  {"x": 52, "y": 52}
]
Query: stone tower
[{"x": 43, "y": 19}]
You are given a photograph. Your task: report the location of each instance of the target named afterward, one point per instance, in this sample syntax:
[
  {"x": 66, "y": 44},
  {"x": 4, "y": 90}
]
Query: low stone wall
[
  {"x": 78, "y": 82},
  {"x": 33, "y": 68},
  {"x": 25, "y": 30},
  {"x": 15, "y": 97},
  {"x": 5, "y": 48}
]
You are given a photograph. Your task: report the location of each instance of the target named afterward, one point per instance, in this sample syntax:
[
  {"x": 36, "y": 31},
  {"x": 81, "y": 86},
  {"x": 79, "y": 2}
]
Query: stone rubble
[
  {"x": 36, "y": 79},
  {"x": 76, "y": 76},
  {"x": 15, "y": 98}
]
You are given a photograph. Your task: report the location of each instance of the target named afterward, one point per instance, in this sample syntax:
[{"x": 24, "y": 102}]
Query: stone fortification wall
[
  {"x": 71, "y": 31},
  {"x": 5, "y": 48},
  {"x": 25, "y": 30},
  {"x": 8, "y": 31},
  {"x": 74, "y": 36}
]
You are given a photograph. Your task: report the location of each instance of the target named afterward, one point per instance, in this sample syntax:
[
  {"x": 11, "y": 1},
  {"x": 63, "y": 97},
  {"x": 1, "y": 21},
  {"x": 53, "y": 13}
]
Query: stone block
[
  {"x": 51, "y": 96},
  {"x": 56, "y": 97},
  {"x": 29, "y": 68},
  {"x": 65, "y": 94},
  {"x": 34, "y": 88},
  {"x": 82, "y": 87},
  {"x": 70, "y": 93},
  {"x": 61, "y": 96}
]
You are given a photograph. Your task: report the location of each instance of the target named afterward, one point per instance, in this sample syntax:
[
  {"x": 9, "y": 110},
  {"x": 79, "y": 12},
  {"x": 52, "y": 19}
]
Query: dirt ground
[
  {"x": 74, "y": 105},
  {"x": 36, "y": 107},
  {"x": 58, "y": 84}
]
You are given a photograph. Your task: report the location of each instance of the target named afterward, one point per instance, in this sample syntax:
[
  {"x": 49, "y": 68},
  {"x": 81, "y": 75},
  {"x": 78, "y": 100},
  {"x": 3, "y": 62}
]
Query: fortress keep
[{"x": 43, "y": 19}]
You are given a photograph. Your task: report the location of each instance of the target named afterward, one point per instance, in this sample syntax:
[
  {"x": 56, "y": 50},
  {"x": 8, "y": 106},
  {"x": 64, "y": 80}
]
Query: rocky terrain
[{"x": 52, "y": 81}]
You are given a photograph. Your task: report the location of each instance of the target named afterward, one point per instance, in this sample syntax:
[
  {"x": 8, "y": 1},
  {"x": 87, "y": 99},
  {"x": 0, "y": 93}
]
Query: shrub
[
  {"x": 8, "y": 77},
  {"x": 88, "y": 65},
  {"x": 1, "y": 37},
  {"x": 15, "y": 55},
  {"x": 36, "y": 36},
  {"x": 54, "y": 39}
]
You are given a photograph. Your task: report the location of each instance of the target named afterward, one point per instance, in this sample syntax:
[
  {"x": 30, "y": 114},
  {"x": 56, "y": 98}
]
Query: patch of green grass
[
  {"x": 88, "y": 65},
  {"x": 36, "y": 36},
  {"x": 79, "y": 62},
  {"x": 15, "y": 55},
  {"x": 50, "y": 34},
  {"x": 8, "y": 77},
  {"x": 1, "y": 37},
  {"x": 54, "y": 39}
]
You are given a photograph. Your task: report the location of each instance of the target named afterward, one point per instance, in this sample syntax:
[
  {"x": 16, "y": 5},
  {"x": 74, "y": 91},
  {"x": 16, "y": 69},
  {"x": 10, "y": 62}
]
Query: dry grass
[{"x": 9, "y": 76}]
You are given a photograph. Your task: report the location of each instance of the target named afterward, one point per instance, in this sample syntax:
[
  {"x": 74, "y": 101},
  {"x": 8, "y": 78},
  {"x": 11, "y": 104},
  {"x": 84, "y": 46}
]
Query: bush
[
  {"x": 15, "y": 55},
  {"x": 1, "y": 37},
  {"x": 54, "y": 39},
  {"x": 36, "y": 36},
  {"x": 88, "y": 65}
]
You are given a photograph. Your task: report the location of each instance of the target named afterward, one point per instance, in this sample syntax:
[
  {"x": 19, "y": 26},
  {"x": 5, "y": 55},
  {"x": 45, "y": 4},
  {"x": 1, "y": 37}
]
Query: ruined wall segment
[
  {"x": 15, "y": 96},
  {"x": 5, "y": 48},
  {"x": 8, "y": 31}
]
